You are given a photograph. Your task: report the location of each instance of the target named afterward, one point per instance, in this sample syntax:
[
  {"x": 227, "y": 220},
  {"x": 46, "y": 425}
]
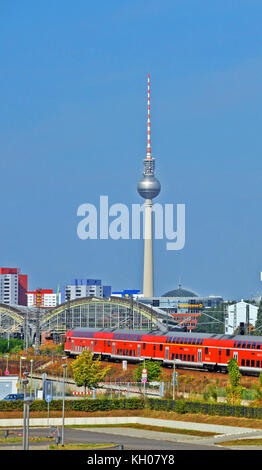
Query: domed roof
[{"x": 180, "y": 293}]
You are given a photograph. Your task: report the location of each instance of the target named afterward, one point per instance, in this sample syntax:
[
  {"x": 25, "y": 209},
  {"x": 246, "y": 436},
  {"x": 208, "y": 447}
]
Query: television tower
[{"x": 148, "y": 187}]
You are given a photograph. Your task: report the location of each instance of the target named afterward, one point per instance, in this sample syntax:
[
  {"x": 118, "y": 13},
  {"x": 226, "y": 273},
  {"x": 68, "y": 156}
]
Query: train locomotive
[{"x": 210, "y": 352}]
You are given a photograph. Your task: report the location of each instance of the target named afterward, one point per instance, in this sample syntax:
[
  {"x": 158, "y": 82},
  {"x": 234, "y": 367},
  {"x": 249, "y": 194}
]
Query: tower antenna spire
[
  {"x": 149, "y": 188},
  {"x": 148, "y": 152}
]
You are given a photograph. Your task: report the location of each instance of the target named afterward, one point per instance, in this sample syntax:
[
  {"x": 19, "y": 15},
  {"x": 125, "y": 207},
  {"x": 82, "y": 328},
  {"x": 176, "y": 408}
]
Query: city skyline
[{"x": 73, "y": 128}]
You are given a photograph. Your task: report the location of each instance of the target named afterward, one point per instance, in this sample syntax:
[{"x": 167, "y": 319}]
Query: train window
[
  {"x": 161, "y": 347},
  {"x": 194, "y": 341},
  {"x": 202, "y": 341},
  {"x": 190, "y": 340},
  {"x": 109, "y": 343},
  {"x": 188, "y": 357},
  {"x": 184, "y": 357},
  {"x": 186, "y": 340},
  {"x": 174, "y": 339},
  {"x": 257, "y": 363},
  {"x": 252, "y": 363},
  {"x": 180, "y": 357},
  {"x": 206, "y": 350},
  {"x": 176, "y": 356},
  {"x": 172, "y": 356},
  {"x": 248, "y": 362},
  {"x": 198, "y": 341},
  {"x": 144, "y": 345},
  {"x": 117, "y": 351},
  {"x": 244, "y": 344},
  {"x": 242, "y": 362},
  {"x": 258, "y": 345},
  {"x": 182, "y": 341},
  {"x": 193, "y": 358},
  {"x": 253, "y": 345},
  {"x": 248, "y": 345},
  {"x": 219, "y": 352}
]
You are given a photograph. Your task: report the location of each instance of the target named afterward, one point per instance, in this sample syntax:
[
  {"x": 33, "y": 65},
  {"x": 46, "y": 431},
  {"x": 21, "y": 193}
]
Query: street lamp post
[
  {"x": 6, "y": 369},
  {"x": 27, "y": 402},
  {"x": 63, "y": 410},
  {"x": 20, "y": 372},
  {"x": 174, "y": 377},
  {"x": 31, "y": 374}
]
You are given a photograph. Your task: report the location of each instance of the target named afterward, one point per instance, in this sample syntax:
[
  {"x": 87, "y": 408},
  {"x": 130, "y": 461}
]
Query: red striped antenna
[{"x": 148, "y": 152}]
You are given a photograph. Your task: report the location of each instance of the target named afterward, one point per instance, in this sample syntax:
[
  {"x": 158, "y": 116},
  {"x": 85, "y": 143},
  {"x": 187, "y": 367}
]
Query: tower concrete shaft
[
  {"x": 148, "y": 187},
  {"x": 148, "y": 281}
]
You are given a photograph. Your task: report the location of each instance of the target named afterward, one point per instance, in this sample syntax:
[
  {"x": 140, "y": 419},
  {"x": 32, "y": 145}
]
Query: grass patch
[
  {"x": 148, "y": 427},
  {"x": 80, "y": 446},
  {"x": 242, "y": 442}
]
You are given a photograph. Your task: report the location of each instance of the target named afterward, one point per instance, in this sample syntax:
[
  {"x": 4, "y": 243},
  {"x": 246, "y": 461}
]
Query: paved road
[
  {"x": 130, "y": 439},
  {"x": 140, "y": 439}
]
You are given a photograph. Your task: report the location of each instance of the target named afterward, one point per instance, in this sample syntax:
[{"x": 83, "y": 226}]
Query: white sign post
[{"x": 144, "y": 379}]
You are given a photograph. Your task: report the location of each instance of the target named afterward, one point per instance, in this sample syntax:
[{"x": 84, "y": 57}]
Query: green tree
[
  {"x": 11, "y": 346},
  {"x": 88, "y": 372},
  {"x": 234, "y": 391},
  {"x": 154, "y": 371}
]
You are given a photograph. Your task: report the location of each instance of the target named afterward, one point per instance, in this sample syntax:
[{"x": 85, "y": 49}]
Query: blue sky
[{"x": 73, "y": 127}]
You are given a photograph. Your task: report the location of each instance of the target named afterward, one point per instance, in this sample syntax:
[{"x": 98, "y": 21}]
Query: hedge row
[
  {"x": 77, "y": 405},
  {"x": 179, "y": 406},
  {"x": 218, "y": 409}
]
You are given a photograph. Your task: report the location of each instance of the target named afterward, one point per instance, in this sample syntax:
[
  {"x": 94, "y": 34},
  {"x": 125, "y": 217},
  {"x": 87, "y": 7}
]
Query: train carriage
[{"x": 192, "y": 350}]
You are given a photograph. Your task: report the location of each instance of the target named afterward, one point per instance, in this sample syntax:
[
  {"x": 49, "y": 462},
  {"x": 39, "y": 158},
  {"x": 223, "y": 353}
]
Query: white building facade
[
  {"x": 240, "y": 312},
  {"x": 44, "y": 298},
  {"x": 85, "y": 288},
  {"x": 9, "y": 289}
]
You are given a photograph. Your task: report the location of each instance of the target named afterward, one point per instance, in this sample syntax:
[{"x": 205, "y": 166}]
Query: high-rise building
[
  {"x": 44, "y": 298},
  {"x": 13, "y": 286},
  {"x": 85, "y": 288},
  {"x": 148, "y": 187}
]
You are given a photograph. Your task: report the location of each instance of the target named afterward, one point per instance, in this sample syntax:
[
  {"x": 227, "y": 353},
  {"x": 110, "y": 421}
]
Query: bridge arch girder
[
  {"x": 115, "y": 312},
  {"x": 11, "y": 320}
]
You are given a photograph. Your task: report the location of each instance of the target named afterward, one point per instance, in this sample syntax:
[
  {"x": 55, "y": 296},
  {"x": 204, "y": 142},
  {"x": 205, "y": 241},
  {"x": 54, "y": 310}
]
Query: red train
[{"x": 191, "y": 350}]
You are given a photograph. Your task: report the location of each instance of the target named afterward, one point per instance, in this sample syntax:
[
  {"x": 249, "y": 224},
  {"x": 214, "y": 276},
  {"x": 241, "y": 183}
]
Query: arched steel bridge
[
  {"x": 115, "y": 312},
  {"x": 11, "y": 319}
]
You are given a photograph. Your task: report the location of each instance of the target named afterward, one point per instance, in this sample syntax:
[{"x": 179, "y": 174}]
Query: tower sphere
[{"x": 149, "y": 187}]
